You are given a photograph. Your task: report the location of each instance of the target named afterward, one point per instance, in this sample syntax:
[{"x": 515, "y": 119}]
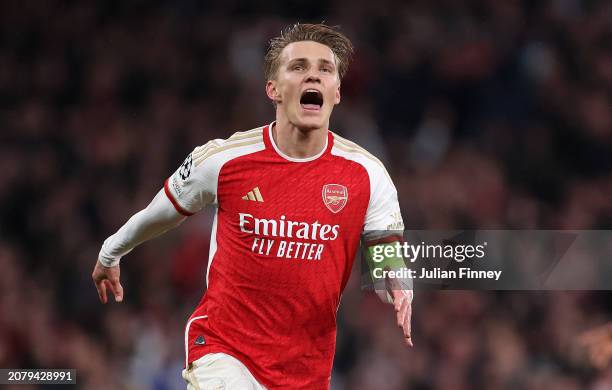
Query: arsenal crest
[{"x": 335, "y": 197}]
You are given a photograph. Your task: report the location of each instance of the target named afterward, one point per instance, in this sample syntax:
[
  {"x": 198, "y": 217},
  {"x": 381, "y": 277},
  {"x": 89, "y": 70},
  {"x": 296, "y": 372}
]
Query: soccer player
[{"x": 292, "y": 200}]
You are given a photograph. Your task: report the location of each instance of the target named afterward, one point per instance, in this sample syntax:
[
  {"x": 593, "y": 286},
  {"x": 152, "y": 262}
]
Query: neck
[{"x": 297, "y": 143}]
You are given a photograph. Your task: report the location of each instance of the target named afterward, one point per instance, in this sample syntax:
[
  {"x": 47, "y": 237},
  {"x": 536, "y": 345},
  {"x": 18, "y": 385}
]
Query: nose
[{"x": 312, "y": 77}]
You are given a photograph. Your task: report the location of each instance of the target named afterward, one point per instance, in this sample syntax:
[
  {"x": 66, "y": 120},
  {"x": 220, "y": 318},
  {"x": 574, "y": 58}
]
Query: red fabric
[
  {"x": 188, "y": 268},
  {"x": 278, "y": 315}
]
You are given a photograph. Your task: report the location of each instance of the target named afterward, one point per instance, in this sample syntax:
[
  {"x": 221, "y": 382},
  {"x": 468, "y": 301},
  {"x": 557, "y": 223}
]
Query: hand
[
  {"x": 107, "y": 278},
  {"x": 399, "y": 293},
  {"x": 402, "y": 301}
]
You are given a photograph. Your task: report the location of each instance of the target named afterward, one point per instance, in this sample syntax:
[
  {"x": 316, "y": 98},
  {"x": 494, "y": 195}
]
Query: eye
[{"x": 298, "y": 67}]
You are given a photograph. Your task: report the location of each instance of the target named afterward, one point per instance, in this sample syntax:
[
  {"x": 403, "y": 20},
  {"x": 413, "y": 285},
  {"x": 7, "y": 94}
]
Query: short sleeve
[
  {"x": 383, "y": 213},
  {"x": 191, "y": 186}
]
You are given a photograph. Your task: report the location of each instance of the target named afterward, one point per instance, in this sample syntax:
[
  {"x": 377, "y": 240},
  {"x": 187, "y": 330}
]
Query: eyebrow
[{"x": 303, "y": 60}]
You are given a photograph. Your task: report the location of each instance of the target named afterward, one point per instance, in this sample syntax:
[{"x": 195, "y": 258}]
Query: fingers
[
  {"x": 106, "y": 281},
  {"x": 401, "y": 313},
  {"x": 116, "y": 288},
  {"x": 101, "y": 287},
  {"x": 404, "y": 315},
  {"x": 113, "y": 286},
  {"x": 407, "y": 325},
  {"x": 397, "y": 303}
]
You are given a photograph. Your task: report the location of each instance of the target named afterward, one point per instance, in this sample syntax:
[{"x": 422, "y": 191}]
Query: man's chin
[
  {"x": 310, "y": 123},
  {"x": 308, "y": 127}
]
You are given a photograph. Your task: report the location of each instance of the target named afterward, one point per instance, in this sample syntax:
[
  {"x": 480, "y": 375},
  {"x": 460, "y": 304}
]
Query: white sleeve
[
  {"x": 384, "y": 223},
  {"x": 159, "y": 216},
  {"x": 191, "y": 187},
  {"x": 383, "y": 212},
  {"x": 194, "y": 184}
]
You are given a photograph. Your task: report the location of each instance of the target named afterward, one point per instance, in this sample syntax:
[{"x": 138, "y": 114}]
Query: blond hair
[{"x": 339, "y": 44}]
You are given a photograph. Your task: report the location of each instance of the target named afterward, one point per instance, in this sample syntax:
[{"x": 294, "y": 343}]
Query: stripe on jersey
[
  {"x": 351, "y": 147},
  {"x": 187, "y": 337},
  {"x": 177, "y": 206},
  {"x": 213, "y": 245},
  {"x": 201, "y": 150},
  {"x": 245, "y": 134},
  {"x": 212, "y": 149},
  {"x": 220, "y": 149}
]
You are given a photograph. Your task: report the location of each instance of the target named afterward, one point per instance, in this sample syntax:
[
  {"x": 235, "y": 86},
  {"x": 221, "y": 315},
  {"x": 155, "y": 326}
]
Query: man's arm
[
  {"x": 384, "y": 226},
  {"x": 402, "y": 301},
  {"x": 191, "y": 187},
  {"x": 396, "y": 291},
  {"x": 158, "y": 217}
]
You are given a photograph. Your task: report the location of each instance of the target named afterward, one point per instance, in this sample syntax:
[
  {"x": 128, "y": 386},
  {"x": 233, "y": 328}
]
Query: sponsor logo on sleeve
[
  {"x": 397, "y": 222},
  {"x": 185, "y": 169},
  {"x": 176, "y": 186}
]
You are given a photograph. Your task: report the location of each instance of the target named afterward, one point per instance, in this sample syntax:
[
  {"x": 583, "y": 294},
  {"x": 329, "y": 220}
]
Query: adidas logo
[{"x": 253, "y": 195}]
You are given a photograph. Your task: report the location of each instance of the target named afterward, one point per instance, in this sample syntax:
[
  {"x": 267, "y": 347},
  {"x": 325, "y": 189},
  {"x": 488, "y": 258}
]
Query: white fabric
[
  {"x": 193, "y": 185},
  {"x": 159, "y": 216},
  {"x": 383, "y": 216},
  {"x": 220, "y": 371},
  {"x": 383, "y": 211},
  {"x": 196, "y": 187}
]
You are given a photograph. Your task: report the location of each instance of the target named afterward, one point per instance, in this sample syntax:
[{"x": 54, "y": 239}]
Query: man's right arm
[
  {"x": 158, "y": 217},
  {"x": 185, "y": 192},
  {"x": 191, "y": 187}
]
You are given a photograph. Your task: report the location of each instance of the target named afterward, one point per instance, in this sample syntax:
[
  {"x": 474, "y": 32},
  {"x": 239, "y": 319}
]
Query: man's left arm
[
  {"x": 396, "y": 290},
  {"x": 383, "y": 228}
]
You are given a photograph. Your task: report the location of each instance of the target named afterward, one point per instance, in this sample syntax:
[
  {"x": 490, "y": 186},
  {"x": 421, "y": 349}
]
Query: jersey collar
[{"x": 270, "y": 139}]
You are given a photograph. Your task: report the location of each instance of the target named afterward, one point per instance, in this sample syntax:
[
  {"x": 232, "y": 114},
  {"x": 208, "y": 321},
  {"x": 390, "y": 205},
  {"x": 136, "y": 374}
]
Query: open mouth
[{"x": 311, "y": 100}]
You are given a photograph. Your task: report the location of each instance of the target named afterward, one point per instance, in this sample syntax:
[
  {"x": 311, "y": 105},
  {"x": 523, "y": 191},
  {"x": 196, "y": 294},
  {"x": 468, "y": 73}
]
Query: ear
[
  {"x": 272, "y": 92},
  {"x": 337, "y": 95}
]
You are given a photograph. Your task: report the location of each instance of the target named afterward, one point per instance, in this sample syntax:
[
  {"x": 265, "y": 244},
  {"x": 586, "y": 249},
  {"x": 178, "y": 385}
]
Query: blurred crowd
[{"x": 488, "y": 114}]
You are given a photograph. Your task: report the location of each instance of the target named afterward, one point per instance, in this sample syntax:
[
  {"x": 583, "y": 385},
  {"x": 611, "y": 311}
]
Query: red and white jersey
[{"x": 284, "y": 238}]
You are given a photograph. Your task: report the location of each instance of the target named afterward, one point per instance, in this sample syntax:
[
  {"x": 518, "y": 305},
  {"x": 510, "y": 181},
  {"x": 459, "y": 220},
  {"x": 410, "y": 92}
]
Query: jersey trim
[
  {"x": 351, "y": 147},
  {"x": 187, "y": 337},
  {"x": 212, "y": 250},
  {"x": 214, "y": 147},
  {"x": 383, "y": 209},
  {"x": 178, "y": 207},
  {"x": 190, "y": 196},
  {"x": 294, "y": 159},
  {"x": 200, "y": 151}
]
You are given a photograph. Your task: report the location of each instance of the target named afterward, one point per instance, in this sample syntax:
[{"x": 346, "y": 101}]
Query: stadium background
[{"x": 488, "y": 114}]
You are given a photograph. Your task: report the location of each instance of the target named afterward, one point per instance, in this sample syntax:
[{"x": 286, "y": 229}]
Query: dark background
[{"x": 488, "y": 114}]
